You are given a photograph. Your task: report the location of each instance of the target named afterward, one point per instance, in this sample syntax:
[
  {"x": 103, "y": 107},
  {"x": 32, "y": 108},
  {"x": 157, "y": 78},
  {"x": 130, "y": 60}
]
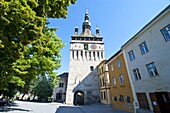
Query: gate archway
[{"x": 78, "y": 98}]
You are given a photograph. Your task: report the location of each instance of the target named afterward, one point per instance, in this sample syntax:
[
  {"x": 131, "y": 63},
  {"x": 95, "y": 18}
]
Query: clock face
[{"x": 93, "y": 46}]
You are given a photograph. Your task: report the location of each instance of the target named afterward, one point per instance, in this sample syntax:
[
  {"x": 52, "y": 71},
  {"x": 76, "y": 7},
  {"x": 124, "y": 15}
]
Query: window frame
[
  {"x": 143, "y": 48},
  {"x": 121, "y": 99},
  {"x": 91, "y": 68},
  {"x": 168, "y": 32},
  {"x": 136, "y": 74},
  {"x": 152, "y": 69},
  {"x": 122, "y": 81},
  {"x": 128, "y": 99},
  {"x": 61, "y": 84},
  {"x": 131, "y": 55},
  {"x": 115, "y": 98},
  {"x": 118, "y": 63},
  {"x": 114, "y": 81},
  {"x": 111, "y": 67}
]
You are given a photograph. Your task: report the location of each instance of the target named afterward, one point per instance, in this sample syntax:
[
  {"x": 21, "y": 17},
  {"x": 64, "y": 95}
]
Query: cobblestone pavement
[{"x": 34, "y": 107}]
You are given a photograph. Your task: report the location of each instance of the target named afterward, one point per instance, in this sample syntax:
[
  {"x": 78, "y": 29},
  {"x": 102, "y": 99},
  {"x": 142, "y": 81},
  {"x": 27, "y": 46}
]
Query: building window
[
  {"x": 91, "y": 68},
  {"x": 143, "y": 48},
  {"x": 85, "y": 46},
  {"x": 128, "y": 99},
  {"x": 61, "y": 84},
  {"x": 98, "y": 54},
  {"x": 111, "y": 67},
  {"x": 137, "y": 74},
  {"x": 104, "y": 95},
  {"x": 81, "y": 54},
  {"x": 77, "y": 54},
  {"x": 102, "y": 55},
  {"x": 86, "y": 54},
  {"x": 121, "y": 98},
  {"x": 131, "y": 55},
  {"x": 118, "y": 63},
  {"x": 121, "y": 78},
  {"x": 114, "y": 81},
  {"x": 115, "y": 98},
  {"x": 166, "y": 32},
  {"x": 90, "y": 55},
  {"x": 94, "y": 55},
  {"x": 103, "y": 81},
  {"x": 152, "y": 69}
]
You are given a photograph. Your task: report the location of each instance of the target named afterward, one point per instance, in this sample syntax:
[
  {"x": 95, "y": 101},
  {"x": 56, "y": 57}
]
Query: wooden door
[
  {"x": 143, "y": 101},
  {"x": 154, "y": 103}
]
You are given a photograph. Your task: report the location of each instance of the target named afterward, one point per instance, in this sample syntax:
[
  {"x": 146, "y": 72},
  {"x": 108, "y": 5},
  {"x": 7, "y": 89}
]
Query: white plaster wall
[
  {"x": 159, "y": 53},
  {"x": 78, "y": 71},
  {"x": 57, "y": 89}
]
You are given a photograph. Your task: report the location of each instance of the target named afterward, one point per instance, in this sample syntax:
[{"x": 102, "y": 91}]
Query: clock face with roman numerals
[{"x": 93, "y": 46}]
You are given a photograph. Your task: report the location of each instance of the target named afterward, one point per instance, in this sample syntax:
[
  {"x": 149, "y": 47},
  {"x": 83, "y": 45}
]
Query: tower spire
[
  {"x": 86, "y": 15},
  {"x": 86, "y": 27}
]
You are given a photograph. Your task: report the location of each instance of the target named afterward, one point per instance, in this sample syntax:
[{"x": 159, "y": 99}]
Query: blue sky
[{"x": 118, "y": 21}]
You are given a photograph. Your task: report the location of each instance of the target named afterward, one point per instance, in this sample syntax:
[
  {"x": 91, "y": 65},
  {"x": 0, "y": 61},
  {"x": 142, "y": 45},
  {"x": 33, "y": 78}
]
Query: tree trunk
[{"x": 22, "y": 96}]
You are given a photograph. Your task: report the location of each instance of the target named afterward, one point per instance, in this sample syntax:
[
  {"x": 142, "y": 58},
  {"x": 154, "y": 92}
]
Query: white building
[
  {"x": 147, "y": 58},
  {"x": 86, "y": 52},
  {"x": 59, "y": 93}
]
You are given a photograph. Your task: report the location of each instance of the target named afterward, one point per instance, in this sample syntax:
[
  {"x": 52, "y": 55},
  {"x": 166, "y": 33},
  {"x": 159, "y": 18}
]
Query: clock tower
[{"x": 86, "y": 52}]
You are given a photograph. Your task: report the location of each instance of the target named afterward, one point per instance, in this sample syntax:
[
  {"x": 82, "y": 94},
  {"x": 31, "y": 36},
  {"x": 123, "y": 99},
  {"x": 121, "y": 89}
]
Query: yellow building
[
  {"x": 121, "y": 92},
  {"x": 104, "y": 83}
]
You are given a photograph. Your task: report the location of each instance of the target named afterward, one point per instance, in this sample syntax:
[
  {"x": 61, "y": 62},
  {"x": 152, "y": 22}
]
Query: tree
[
  {"x": 44, "y": 88},
  {"x": 28, "y": 47}
]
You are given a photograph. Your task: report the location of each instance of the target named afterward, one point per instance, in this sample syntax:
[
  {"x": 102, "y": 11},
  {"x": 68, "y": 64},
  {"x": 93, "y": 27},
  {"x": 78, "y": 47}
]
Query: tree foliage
[
  {"x": 28, "y": 47},
  {"x": 43, "y": 89}
]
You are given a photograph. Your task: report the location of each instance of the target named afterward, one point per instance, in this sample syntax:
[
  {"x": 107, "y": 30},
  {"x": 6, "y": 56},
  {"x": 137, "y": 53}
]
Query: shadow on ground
[
  {"x": 69, "y": 109},
  {"x": 12, "y": 107},
  {"x": 93, "y": 108}
]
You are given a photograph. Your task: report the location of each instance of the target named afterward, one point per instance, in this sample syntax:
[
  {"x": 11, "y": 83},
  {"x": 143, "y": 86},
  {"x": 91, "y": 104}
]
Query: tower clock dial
[{"x": 93, "y": 46}]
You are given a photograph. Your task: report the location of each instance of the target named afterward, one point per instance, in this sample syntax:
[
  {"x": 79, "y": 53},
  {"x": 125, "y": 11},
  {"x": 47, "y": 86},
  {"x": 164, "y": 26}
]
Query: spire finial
[
  {"x": 97, "y": 31},
  {"x": 86, "y": 15},
  {"x": 86, "y": 10},
  {"x": 76, "y": 30}
]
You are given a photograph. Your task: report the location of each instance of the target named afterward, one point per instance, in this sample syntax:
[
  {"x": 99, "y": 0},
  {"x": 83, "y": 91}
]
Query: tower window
[
  {"x": 98, "y": 54},
  {"x": 102, "y": 55},
  {"x": 91, "y": 68},
  {"x": 86, "y": 46},
  {"x": 77, "y": 55},
  {"x": 90, "y": 55},
  {"x": 81, "y": 54},
  {"x": 94, "y": 55},
  {"x": 73, "y": 54},
  {"x": 86, "y": 54}
]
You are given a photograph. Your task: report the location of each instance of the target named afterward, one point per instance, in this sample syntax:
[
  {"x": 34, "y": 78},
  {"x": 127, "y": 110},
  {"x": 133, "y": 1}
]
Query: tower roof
[{"x": 86, "y": 26}]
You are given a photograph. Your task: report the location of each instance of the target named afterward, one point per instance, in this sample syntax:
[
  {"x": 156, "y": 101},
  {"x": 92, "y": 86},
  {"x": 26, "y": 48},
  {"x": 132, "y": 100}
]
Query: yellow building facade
[
  {"x": 105, "y": 97},
  {"x": 121, "y": 91}
]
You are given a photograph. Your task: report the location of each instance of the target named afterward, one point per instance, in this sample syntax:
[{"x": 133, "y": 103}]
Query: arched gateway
[{"x": 78, "y": 98}]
